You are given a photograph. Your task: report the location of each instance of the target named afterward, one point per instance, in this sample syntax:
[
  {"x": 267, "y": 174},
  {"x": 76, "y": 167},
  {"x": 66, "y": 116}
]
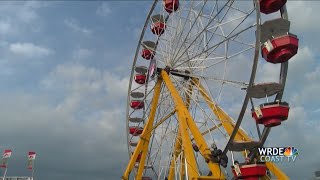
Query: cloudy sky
[{"x": 64, "y": 72}]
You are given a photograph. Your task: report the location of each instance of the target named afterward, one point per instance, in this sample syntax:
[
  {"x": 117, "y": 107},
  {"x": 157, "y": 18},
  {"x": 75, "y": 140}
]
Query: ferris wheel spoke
[
  {"x": 212, "y": 48},
  {"x": 180, "y": 34},
  {"x": 176, "y": 52},
  {"x": 222, "y": 61},
  {"x": 171, "y": 153},
  {"x": 184, "y": 44},
  {"x": 177, "y": 56},
  {"x": 188, "y": 54},
  {"x": 237, "y": 9},
  {"x": 216, "y": 46},
  {"x": 161, "y": 148},
  {"x": 158, "y": 153},
  {"x": 177, "y": 16},
  {"x": 161, "y": 121},
  {"x": 139, "y": 86},
  {"x": 225, "y": 81},
  {"x": 241, "y": 22},
  {"x": 179, "y": 30},
  {"x": 219, "y": 25},
  {"x": 214, "y": 32}
]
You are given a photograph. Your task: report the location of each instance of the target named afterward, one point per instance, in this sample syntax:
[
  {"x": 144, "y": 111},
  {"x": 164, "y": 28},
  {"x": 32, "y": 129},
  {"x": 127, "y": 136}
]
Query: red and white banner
[
  {"x": 31, "y": 158},
  {"x": 6, "y": 155}
]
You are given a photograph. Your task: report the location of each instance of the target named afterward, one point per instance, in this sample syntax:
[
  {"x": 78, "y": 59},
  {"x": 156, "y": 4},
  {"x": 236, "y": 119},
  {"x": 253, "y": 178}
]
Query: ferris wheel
[{"x": 193, "y": 95}]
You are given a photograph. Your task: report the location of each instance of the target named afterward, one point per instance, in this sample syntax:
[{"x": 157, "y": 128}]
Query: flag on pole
[
  {"x": 31, "y": 158},
  {"x": 6, "y": 155}
]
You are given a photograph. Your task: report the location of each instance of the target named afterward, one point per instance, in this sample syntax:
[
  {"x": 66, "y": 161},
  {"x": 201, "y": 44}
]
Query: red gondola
[
  {"x": 137, "y": 104},
  {"x": 147, "y": 54},
  {"x": 158, "y": 28},
  {"x": 280, "y": 49},
  {"x": 140, "y": 78},
  {"x": 250, "y": 171},
  {"x": 271, "y": 6},
  {"x": 171, "y": 5},
  {"x": 271, "y": 114},
  {"x": 135, "y": 131}
]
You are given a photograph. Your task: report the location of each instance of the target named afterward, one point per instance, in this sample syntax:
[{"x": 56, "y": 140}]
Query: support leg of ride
[
  {"x": 192, "y": 168},
  {"x": 177, "y": 151},
  {"x": 186, "y": 122}
]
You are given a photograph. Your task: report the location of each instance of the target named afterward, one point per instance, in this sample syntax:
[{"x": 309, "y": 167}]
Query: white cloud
[
  {"x": 317, "y": 110},
  {"x": 115, "y": 85},
  {"x": 27, "y": 15},
  {"x": 304, "y": 15},
  {"x": 268, "y": 72},
  {"x": 82, "y": 53},
  {"x": 74, "y": 25},
  {"x": 302, "y": 61},
  {"x": 70, "y": 104},
  {"x": 76, "y": 78},
  {"x": 17, "y": 16},
  {"x": 5, "y": 27},
  {"x": 30, "y": 50},
  {"x": 3, "y": 44},
  {"x": 104, "y": 9},
  {"x": 28, "y": 11},
  {"x": 25, "y": 12},
  {"x": 314, "y": 75}
]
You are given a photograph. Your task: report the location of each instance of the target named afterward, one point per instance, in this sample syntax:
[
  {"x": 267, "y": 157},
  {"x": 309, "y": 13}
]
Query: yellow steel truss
[
  {"x": 176, "y": 151},
  {"x": 177, "y": 148},
  {"x": 186, "y": 124},
  {"x": 188, "y": 129}
]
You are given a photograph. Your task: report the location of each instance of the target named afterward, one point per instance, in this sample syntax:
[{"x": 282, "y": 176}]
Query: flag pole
[
  {"x": 5, "y": 173},
  {"x": 32, "y": 172},
  {"x": 31, "y": 158}
]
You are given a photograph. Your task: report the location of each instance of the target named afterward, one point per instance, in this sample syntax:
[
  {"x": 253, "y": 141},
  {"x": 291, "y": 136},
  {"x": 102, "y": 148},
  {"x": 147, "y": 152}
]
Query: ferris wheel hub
[{"x": 184, "y": 74}]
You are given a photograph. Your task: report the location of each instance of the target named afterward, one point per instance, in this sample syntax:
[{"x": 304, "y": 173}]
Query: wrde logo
[{"x": 278, "y": 154}]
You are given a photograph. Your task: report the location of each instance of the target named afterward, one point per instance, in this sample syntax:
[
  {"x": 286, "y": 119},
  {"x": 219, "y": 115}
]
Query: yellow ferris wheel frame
[{"x": 187, "y": 132}]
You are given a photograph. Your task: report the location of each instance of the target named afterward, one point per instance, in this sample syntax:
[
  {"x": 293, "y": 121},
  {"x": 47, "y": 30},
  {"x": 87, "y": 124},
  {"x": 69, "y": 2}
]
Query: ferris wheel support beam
[
  {"x": 158, "y": 124},
  {"x": 177, "y": 147},
  {"x": 177, "y": 151},
  {"x": 228, "y": 125},
  {"x": 186, "y": 123},
  {"x": 185, "y": 139},
  {"x": 142, "y": 146}
]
